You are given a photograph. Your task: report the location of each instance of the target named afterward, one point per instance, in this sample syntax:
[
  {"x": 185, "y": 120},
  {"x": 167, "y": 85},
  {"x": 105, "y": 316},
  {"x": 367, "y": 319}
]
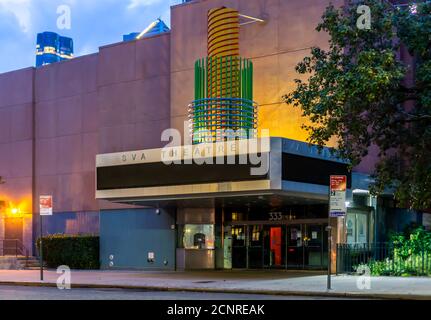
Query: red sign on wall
[
  {"x": 45, "y": 205},
  {"x": 338, "y": 183}
]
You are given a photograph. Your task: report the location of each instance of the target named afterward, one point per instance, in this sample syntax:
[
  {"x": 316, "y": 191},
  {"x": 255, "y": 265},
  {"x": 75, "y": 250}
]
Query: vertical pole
[
  {"x": 41, "y": 248},
  {"x": 329, "y": 228},
  {"x": 303, "y": 235},
  {"x": 329, "y": 253},
  {"x": 285, "y": 246}
]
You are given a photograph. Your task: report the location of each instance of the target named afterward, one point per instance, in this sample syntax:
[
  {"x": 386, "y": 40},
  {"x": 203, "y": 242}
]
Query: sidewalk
[{"x": 303, "y": 283}]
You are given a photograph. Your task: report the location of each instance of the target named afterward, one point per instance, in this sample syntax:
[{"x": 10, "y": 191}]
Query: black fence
[{"x": 383, "y": 259}]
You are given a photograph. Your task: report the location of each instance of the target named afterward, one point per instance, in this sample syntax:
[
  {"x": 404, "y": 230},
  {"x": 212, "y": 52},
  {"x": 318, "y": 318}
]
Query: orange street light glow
[{"x": 15, "y": 210}]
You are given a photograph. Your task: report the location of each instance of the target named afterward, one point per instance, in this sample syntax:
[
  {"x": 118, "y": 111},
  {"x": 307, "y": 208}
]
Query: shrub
[
  {"x": 390, "y": 267},
  {"x": 410, "y": 255},
  {"x": 74, "y": 251}
]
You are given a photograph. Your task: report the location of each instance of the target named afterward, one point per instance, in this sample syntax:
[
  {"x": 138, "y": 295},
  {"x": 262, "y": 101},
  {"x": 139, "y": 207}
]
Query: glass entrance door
[
  {"x": 295, "y": 248},
  {"x": 239, "y": 249},
  {"x": 306, "y": 246},
  {"x": 255, "y": 247},
  {"x": 313, "y": 246}
]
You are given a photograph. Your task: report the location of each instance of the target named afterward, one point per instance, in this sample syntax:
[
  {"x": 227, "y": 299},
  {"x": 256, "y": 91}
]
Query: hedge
[
  {"x": 409, "y": 255},
  {"x": 74, "y": 251}
]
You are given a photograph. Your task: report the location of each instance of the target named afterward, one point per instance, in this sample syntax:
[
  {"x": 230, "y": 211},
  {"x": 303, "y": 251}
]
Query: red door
[{"x": 275, "y": 244}]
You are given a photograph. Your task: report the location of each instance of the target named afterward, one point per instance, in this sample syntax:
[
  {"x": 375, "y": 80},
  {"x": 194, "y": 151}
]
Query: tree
[{"x": 358, "y": 92}]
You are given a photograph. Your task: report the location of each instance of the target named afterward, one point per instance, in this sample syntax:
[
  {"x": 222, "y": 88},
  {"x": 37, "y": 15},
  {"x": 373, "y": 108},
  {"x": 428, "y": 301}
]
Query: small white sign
[{"x": 45, "y": 205}]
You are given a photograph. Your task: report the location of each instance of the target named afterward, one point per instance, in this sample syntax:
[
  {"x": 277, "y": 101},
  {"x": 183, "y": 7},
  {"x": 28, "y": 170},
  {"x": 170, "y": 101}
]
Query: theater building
[{"x": 241, "y": 189}]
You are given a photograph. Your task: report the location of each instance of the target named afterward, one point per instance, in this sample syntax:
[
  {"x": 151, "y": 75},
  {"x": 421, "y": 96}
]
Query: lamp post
[{"x": 328, "y": 278}]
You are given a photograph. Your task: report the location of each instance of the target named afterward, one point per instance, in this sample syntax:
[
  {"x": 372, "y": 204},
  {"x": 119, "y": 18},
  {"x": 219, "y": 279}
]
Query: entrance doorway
[
  {"x": 282, "y": 246},
  {"x": 307, "y": 247},
  {"x": 13, "y": 232},
  {"x": 274, "y": 246}
]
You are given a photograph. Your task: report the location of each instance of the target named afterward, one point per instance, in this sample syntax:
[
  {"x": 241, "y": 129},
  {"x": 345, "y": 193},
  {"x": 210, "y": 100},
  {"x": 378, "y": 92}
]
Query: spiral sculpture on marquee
[{"x": 223, "y": 102}]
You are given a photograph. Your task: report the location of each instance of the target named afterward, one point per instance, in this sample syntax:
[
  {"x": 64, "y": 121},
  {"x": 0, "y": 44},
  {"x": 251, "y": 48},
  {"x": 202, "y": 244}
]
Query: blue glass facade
[
  {"x": 130, "y": 36},
  {"x": 157, "y": 27},
  {"x": 51, "y": 48}
]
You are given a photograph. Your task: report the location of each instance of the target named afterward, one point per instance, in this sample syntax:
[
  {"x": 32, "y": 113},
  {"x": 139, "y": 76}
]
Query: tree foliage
[{"x": 360, "y": 90}]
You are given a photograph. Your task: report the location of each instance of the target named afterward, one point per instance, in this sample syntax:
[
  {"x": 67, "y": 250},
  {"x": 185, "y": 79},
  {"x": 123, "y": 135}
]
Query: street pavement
[
  {"x": 49, "y": 293},
  {"x": 288, "y": 283}
]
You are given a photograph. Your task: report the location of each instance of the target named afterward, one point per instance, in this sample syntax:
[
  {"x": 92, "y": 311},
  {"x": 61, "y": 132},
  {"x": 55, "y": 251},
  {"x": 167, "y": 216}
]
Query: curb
[{"x": 237, "y": 291}]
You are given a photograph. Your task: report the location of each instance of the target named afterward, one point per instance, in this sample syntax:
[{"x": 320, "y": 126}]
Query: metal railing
[
  {"x": 383, "y": 259},
  {"x": 13, "y": 247}
]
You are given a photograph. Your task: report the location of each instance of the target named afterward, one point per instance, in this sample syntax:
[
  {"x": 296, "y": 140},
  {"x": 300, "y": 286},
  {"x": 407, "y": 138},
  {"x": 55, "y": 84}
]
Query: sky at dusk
[{"x": 94, "y": 23}]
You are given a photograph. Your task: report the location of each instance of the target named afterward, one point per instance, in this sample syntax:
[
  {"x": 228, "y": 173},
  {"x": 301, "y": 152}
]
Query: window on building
[
  {"x": 197, "y": 236},
  {"x": 238, "y": 236},
  {"x": 357, "y": 227},
  {"x": 255, "y": 233}
]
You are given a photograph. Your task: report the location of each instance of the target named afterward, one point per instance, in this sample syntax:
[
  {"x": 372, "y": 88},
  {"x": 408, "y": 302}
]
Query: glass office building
[
  {"x": 156, "y": 27},
  {"x": 51, "y": 48}
]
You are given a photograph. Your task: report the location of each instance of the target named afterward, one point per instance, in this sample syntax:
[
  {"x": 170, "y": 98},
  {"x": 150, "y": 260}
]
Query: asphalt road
[{"x": 49, "y": 293}]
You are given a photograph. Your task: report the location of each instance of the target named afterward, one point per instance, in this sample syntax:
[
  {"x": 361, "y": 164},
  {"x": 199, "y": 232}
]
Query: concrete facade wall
[
  {"x": 115, "y": 100},
  {"x": 16, "y": 146},
  {"x": 108, "y": 102},
  {"x": 133, "y": 94},
  {"x": 16, "y": 102},
  {"x": 67, "y": 133},
  {"x": 86, "y": 222}
]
